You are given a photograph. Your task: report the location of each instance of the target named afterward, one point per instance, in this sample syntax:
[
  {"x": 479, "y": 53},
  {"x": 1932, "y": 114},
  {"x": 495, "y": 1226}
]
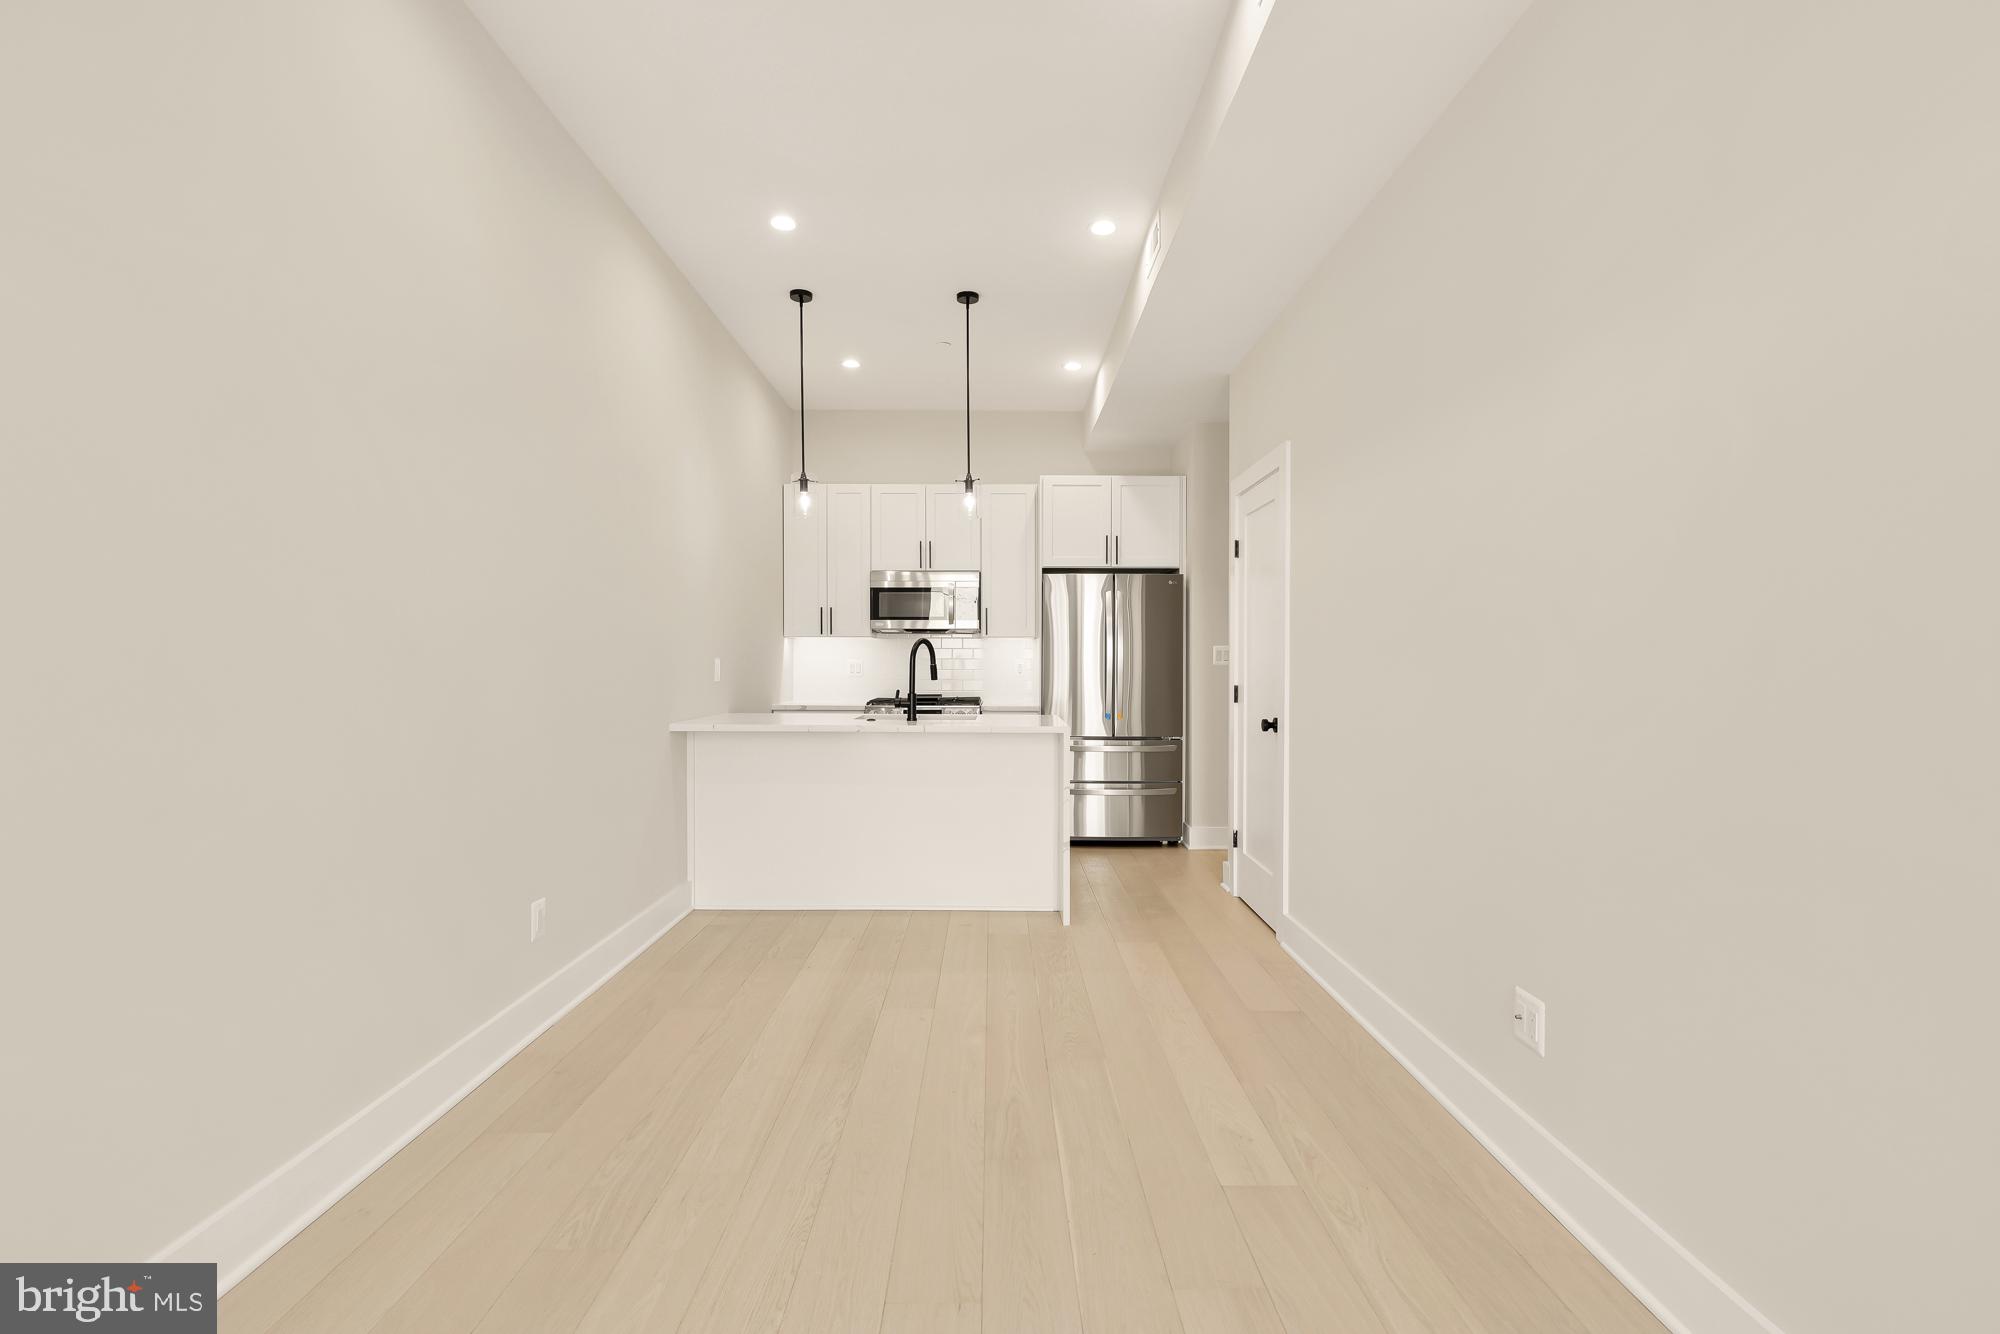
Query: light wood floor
[{"x": 935, "y": 1123}]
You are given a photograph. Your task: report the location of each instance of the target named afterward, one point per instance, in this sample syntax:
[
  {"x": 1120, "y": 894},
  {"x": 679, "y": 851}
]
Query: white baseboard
[
  {"x": 245, "y": 1232},
  {"x": 1687, "y": 1296},
  {"x": 1204, "y": 837},
  {"x": 821, "y": 905}
]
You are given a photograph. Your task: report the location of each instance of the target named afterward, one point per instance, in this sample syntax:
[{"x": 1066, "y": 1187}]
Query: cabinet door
[
  {"x": 952, "y": 534},
  {"x": 805, "y": 564},
  {"x": 1146, "y": 522},
  {"x": 847, "y": 557},
  {"x": 896, "y": 536},
  {"x": 1076, "y": 521},
  {"x": 1009, "y": 590}
]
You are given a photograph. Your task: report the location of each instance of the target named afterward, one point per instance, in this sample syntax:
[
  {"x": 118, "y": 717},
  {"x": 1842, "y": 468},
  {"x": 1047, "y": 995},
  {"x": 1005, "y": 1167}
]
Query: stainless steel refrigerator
[{"x": 1113, "y": 653}]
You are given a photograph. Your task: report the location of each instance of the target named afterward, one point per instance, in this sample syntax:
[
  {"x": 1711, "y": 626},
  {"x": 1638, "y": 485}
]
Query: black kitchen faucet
[{"x": 925, "y": 644}]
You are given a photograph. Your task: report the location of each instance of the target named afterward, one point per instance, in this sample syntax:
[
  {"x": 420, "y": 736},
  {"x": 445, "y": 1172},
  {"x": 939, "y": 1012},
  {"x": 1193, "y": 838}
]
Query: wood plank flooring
[{"x": 928, "y": 1123}]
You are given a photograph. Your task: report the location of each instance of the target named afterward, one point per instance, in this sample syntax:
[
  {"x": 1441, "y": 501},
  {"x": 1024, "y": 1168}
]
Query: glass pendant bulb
[
  {"x": 805, "y": 496},
  {"x": 971, "y": 498}
]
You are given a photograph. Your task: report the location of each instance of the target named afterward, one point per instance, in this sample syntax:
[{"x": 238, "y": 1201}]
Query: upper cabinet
[
  {"x": 920, "y": 527},
  {"x": 826, "y": 561},
  {"x": 1076, "y": 521},
  {"x": 898, "y": 537},
  {"x": 1017, "y": 529},
  {"x": 805, "y": 564},
  {"x": 1112, "y": 522},
  {"x": 847, "y": 556},
  {"x": 951, "y": 532},
  {"x": 1146, "y": 522},
  {"x": 1010, "y": 594}
]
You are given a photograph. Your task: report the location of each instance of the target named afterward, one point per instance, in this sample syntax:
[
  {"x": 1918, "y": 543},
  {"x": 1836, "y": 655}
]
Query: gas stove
[{"x": 934, "y": 706}]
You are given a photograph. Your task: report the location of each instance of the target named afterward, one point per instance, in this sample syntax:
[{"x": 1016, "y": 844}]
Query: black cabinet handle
[{"x": 1267, "y": 724}]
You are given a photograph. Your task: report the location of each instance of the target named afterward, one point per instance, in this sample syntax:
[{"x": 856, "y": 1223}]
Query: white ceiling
[
  {"x": 1332, "y": 101},
  {"x": 923, "y": 145}
]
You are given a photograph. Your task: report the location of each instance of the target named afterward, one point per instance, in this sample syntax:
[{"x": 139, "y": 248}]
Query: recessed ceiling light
[
  {"x": 784, "y": 222},
  {"x": 850, "y": 363},
  {"x": 1072, "y": 365},
  {"x": 1103, "y": 227}
]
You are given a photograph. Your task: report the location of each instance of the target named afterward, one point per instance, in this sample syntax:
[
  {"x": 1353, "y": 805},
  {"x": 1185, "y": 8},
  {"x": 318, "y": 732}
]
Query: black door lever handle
[{"x": 1267, "y": 724}]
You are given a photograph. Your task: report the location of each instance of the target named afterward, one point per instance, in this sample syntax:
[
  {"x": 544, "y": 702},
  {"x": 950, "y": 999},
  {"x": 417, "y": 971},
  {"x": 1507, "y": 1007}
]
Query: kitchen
[{"x": 990, "y": 660}]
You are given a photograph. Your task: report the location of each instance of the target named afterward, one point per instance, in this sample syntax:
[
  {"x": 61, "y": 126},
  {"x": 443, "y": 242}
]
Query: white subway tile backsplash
[{"x": 1004, "y": 673}]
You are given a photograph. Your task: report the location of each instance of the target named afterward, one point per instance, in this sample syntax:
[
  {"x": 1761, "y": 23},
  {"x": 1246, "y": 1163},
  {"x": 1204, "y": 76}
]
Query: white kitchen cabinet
[
  {"x": 897, "y": 532},
  {"x": 1076, "y": 521},
  {"x": 1112, "y": 522},
  {"x": 826, "y": 561},
  {"x": 1146, "y": 522},
  {"x": 847, "y": 559},
  {"x": 922, "y": 527},
  {"x": 1009, "y": 587},
  {"x": 951, "y": 536},
  {"x": 805, "y": 564}
]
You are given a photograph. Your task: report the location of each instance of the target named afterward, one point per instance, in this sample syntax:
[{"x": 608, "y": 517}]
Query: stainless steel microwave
[{"x": 937, "y": 602}]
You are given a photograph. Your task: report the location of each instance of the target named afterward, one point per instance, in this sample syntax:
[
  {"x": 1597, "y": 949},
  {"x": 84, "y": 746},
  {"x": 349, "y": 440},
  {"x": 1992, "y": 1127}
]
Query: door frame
[{"x": 1279, "y": 462}]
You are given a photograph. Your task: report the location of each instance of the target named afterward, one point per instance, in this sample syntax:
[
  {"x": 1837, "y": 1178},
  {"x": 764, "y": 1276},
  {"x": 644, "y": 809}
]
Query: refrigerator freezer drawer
[
  {"x": 1125, "y": 810},
  {"x": 1117, "y": 760}
]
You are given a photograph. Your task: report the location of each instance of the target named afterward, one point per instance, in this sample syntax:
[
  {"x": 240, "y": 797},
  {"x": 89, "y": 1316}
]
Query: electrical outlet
[
  {"x": 538, "y": 916},
  {"x": 854, "y": 669},
  {"x": 1218, "y": 656},
  {"x": 718, "y": 669},
  {"x": 1531, "y": 1022}
]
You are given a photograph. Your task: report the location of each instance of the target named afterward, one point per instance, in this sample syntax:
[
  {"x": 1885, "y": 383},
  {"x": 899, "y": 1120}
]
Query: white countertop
[{"x": 985, "y": 723}]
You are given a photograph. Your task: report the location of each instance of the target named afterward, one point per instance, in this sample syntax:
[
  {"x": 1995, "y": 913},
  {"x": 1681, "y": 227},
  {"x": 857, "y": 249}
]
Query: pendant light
[
  {"x": 801, "y": 296},
  {"x": 971, "y": 497}
]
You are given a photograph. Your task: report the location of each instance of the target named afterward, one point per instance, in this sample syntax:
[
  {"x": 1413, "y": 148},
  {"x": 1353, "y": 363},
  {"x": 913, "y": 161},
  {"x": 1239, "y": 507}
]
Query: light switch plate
[
  {"x": 1219, "y": 656},
  {"x": 1531, "y": 1022}
]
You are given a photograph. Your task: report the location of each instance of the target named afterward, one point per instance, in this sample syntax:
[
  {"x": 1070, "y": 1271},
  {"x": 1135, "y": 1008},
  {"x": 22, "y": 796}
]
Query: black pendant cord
[
  {"x": 800, "y": 296},
  {"x": 967, "y": 299},
  {"x": 968, "y": 391},
  {"x": 802, "y": 389}
]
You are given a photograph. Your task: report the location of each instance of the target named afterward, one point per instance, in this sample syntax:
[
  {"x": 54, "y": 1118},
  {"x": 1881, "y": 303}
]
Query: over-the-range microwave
[{"x": 937, "y": 602}]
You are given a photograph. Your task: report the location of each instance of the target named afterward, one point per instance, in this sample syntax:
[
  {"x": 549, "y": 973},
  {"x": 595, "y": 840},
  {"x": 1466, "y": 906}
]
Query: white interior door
[
  {"x": 1146, "y": 523},
  {"x": 1010, "y": 587},
  {"x": 1259, "y": 520},
  {"x": 897, "y": 527},
  {"x": 847, "y": 555},
  {"x": 805, "y": 564},
  {"x": 952, "y": 533}
]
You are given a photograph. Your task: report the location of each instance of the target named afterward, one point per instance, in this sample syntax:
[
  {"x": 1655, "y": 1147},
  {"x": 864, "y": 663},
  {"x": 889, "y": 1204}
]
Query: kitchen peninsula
[{"x": 836, "y": 810}]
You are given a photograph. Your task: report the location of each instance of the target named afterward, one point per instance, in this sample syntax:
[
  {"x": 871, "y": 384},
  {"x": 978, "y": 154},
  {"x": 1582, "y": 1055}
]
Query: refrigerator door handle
[
  {"x": 1106, "y": 667},
  {"x": 1121, "y": 630}
]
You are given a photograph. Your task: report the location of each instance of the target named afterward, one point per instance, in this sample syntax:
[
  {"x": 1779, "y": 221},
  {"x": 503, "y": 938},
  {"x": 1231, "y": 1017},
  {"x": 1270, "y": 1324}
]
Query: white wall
[
  {"x": 1203, "y": 458},
  {"x": 1644, "y": 558},
  {"x": 930, "y": 447},
  {"x": 365, "y": 477}
]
